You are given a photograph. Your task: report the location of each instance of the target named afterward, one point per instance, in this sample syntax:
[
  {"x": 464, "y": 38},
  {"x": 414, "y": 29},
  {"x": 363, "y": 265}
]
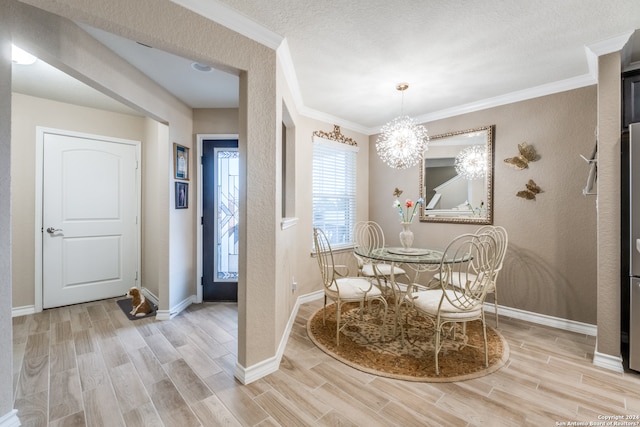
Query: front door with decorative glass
[{"x": 220, "y": 197}]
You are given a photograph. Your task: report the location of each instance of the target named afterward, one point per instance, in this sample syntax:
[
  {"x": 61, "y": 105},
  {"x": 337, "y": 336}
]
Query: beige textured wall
[
  {"x": 608, "y": 259},
  {"x": 285, "y": 264},
  {"x": 154, "y": 196},
  {"x": 550, "y": 266},
  {"x": 215, "y": 120},
  {"x": 29, "y": 112},
  {"x": 6, "y": 352}
]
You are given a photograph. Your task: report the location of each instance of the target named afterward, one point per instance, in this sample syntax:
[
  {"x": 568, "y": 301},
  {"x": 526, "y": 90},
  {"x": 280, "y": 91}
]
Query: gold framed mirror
[{"x": 456, "y": 177}]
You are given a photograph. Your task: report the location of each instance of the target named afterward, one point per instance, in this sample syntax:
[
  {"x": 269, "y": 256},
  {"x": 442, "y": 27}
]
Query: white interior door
[{"x": 89, "y": 209}]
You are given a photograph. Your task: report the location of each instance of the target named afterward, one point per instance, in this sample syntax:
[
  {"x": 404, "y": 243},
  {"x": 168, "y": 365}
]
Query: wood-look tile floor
[{"x": 89, "y": 365}]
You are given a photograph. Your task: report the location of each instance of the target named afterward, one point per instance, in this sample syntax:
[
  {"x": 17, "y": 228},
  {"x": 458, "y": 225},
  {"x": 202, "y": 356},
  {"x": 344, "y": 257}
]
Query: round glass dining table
[
  {"x": 401, "y": 255},
  {"x": 418, "y": 259}
]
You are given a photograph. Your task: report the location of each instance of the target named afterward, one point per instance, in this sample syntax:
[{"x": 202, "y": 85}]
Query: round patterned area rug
[{"x": 361, "y": 346}]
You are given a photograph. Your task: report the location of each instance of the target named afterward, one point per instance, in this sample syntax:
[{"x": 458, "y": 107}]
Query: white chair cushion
[
  {"x": 354, "y": 288},
  {"x": 428, "y": 301},
  {"x": 383, "y": 270}
]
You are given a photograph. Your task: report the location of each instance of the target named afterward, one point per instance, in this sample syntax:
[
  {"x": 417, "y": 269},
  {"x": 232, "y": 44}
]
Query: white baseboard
[
  {"x": 10, "y": 419},
  {"x": 23, "y": 311},
  {"x": 607, "y": 361},
  {"x": 272, "y": 364},
  {"x": 151, "y": 296},
  {"x": 257, "y": 371},
  {"x": 303, "y": 299},
  {"x": 543, "y": 319},
  {"x": 163, "y": 315},
  {"x": 176, "y": 309}
]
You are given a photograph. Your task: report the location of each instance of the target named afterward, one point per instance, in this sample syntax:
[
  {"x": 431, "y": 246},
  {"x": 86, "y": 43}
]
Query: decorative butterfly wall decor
[
  {"x": 397, "y": 192},
  {"x": 530, "y": 192},
  {"x": 521, "y": 161}
]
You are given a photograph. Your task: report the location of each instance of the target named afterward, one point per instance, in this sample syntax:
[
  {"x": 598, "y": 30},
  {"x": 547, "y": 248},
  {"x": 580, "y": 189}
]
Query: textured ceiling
[{"x": 347, "y": 57}]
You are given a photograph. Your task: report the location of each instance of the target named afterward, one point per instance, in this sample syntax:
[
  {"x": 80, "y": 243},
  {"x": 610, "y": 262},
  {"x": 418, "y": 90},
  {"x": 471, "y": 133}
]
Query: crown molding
[
  {"x": 610, "y": 45},
  {"x": 592, "y": 62},
  {"x": 328, "y": 118},
  {"x": 230, "y": 18},
  {"x": 604, "y": 47},
  {"x": 509, "y": 98},
  {"x": 284, "y": 56}
]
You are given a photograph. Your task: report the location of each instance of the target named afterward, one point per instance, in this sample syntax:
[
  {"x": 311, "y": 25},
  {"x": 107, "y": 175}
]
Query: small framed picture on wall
[
  {"x": 182, "y": 195},
  {"x": 180, "y": 161}
]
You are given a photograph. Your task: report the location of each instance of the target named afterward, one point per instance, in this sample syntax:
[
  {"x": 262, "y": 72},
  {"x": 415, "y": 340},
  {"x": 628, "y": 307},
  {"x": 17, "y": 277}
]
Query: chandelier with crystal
[
  {"x": 402, "y": 143},
  {"x": 471, "y": 163}
]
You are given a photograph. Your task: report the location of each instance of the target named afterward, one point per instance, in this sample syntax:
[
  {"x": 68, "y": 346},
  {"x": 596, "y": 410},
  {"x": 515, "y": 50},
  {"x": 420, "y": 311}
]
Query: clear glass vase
[{"x": 406, "y": 235}]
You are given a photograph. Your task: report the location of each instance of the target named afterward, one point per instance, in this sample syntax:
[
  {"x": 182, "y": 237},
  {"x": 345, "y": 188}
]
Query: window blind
[{"x": 334, "y": 191}]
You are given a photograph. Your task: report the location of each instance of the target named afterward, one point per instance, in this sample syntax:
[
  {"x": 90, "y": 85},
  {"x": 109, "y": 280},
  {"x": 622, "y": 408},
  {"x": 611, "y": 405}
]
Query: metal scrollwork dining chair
[
  {"x": 471, "y": 261},
  {"x": 501, "y": 237},
  {"x": 341, "y": 288},
  {"x": 369, "y": 237}
]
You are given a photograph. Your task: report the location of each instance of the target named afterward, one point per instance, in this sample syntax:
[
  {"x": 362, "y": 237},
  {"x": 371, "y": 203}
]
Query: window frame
[{"x": 338, "y": 163}]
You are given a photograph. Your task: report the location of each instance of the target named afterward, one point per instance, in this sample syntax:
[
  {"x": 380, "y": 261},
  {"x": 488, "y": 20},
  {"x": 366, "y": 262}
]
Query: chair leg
[
  {"x": 324, "y": 311},
  {"x": 384, "y": 318},
  {"x": 495, "y": 303},
  {"x": 486, "y": 346},
  {"x": 338, "y": 312},
  {"x": 398, "y": 320},
  {"x": 437, "y": 347}
]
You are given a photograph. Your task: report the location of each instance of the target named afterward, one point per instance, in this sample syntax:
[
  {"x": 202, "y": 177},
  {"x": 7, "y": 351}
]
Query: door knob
[{"x": 52, "y": 230}]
